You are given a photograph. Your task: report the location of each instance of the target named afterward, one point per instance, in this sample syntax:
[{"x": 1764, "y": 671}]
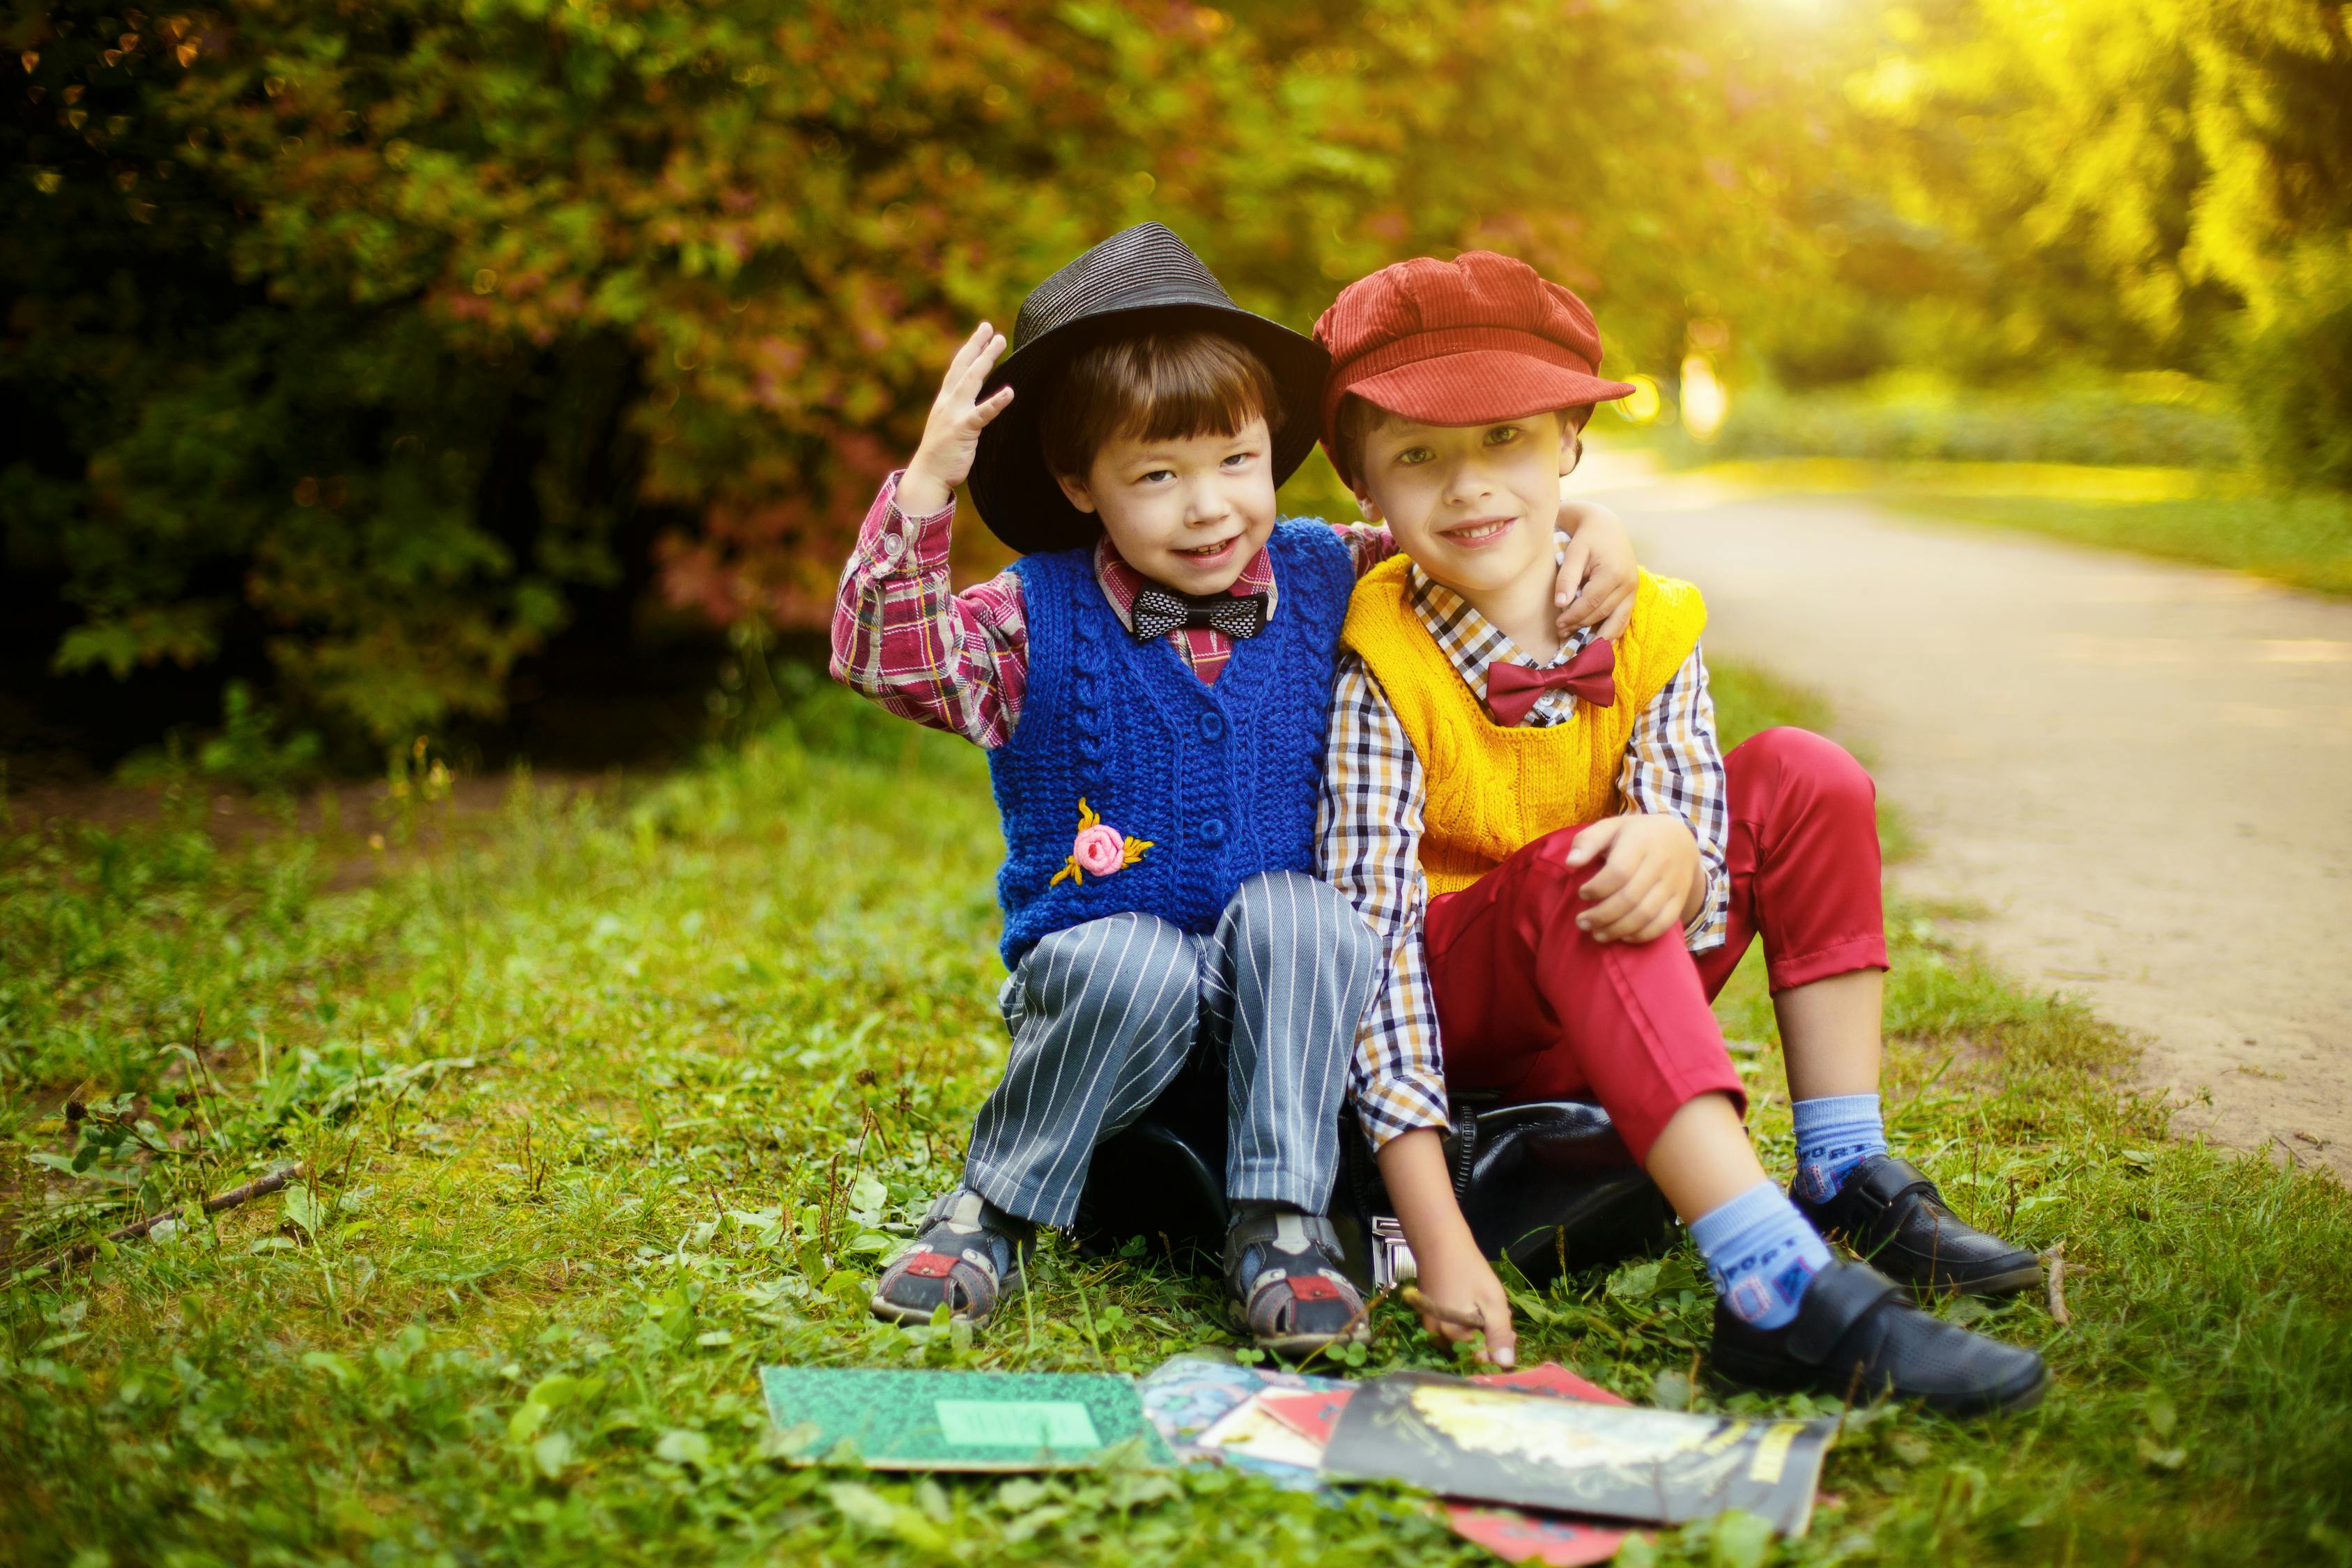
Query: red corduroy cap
[{"x": 1464, "y": 342}]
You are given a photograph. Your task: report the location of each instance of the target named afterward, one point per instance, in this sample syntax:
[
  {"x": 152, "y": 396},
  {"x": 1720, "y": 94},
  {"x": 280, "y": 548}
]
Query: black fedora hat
[{"x": 1140, "y": 279}]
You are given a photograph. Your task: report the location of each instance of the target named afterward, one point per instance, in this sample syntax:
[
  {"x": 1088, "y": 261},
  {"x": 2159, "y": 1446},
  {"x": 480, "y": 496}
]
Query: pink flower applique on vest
[{"x": 1099, "y": 849}]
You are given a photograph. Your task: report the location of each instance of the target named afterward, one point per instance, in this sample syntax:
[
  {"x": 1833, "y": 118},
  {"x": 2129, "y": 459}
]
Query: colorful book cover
[
  {"x": 1250, "y": 1430},
  {"x": 1573, "y": 1456},
  {"x": 1515, "y": 1535},
  {"x": 891, "y": 1420},
  {"x": 1187, "y": 1396}
]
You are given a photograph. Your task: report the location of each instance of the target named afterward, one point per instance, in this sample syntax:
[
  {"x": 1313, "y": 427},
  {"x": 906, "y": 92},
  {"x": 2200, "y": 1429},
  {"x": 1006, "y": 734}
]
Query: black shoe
[
  {"x": 1894, "y": 1220},
  {"x": 1856, "y": 1336}
]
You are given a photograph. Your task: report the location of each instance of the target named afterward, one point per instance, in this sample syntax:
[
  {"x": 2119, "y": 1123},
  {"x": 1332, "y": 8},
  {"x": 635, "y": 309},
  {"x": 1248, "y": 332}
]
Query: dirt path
[{"x": 2143, "y": 772}]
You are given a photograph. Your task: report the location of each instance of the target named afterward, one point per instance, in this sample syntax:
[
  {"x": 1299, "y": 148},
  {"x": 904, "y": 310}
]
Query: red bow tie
[{"x": 1513, "y": 690}]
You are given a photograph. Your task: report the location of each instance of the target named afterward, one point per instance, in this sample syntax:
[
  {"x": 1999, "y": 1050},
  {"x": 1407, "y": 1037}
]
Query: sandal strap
[
  {"x": 1838, "y": 1297},
  {"x": 1884, "y": 1188},
  {"x": 962, "y": 1227},
  {"x": 1281, "y": 1257}
]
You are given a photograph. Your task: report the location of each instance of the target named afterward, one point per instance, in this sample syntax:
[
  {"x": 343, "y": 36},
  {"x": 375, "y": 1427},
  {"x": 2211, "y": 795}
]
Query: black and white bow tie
[{"x": 1158, "y": 611}]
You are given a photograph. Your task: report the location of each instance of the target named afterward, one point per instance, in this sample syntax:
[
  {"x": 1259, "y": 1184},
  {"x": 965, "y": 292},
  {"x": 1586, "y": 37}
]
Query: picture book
[
  {"x": 1187, "y": 1396},
  {"x": 894, "y": 1420},
  {"x": 1575, "y": 1456}
]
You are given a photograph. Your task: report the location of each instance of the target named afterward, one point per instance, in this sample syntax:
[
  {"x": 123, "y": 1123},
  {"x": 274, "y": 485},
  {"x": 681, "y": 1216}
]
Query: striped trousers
[{"x": 1104, "y": 1015}]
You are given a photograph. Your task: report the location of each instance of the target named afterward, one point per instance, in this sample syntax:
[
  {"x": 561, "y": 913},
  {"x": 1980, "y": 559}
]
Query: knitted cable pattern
[
  {"x": 1219, "y": 780},
  {"x": 1492, "y": 790}
]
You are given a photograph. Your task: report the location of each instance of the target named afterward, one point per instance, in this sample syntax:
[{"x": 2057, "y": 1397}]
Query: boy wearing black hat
[{"x": 1152, "y": 683}]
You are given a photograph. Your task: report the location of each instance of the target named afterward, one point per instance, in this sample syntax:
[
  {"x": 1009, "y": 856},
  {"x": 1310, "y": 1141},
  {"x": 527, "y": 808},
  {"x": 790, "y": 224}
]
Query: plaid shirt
[
  {"x": 1369, "y": 824},
  {"x": 959, "y": 662}
]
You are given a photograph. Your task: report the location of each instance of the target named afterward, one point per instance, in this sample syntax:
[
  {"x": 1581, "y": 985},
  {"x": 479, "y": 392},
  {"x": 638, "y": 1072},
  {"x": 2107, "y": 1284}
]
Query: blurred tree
[
  {"x": 2135, "y": 182},
  {"x": 362, "y": 326}
]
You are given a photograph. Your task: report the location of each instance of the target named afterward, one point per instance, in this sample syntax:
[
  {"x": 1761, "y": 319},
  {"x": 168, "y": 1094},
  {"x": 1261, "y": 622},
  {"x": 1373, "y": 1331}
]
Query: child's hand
[
  {"x": 1649, "y": 878},
  {"x": 1595, "y": 585},
  {"x": 1458, "y": 1296},
  {"x": 952, "y": 434}
]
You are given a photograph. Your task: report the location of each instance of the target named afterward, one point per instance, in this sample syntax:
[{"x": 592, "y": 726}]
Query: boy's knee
[
  {"x": 1282, "y": 910},
  {"x": 1119, "y": 956},
  {"x": 1800, "y": 767},
  {"x": 1545, "y": 891}
]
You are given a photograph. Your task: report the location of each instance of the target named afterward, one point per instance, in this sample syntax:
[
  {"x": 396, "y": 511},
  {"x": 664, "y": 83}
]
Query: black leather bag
[{"x": 1548, "y": 1185}]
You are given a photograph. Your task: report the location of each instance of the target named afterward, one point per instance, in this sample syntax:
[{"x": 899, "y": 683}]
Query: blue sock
[
  {"x": 1833, "y": 1136},
  {"x": 1761, "y": 1254}
]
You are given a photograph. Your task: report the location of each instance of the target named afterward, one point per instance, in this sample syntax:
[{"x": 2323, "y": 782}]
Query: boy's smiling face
[
  {"x": 1473, "y": 504},
  {"x": 1188, "y": 511}
]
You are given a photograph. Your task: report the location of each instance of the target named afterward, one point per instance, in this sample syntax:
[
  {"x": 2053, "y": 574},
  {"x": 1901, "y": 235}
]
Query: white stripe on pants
[{"x": 1105, "y": 1015}]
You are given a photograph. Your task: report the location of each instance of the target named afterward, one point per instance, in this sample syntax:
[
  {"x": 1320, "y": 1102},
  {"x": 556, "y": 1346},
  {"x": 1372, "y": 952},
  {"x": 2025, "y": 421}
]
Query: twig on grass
[
  {"x": 259, "y": 1187},
  {"x": 1421, "y": 1303},
  {"x": 1349, "y": 1328},
  {"x": 2056, "y": 1258}
]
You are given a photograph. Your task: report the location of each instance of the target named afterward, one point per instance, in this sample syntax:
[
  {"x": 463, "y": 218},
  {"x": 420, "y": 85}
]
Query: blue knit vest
[{"x": 1219, "y": 779}]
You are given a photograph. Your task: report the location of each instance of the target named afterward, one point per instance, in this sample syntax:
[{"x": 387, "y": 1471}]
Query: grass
[{"x": 617, "y": 1093}]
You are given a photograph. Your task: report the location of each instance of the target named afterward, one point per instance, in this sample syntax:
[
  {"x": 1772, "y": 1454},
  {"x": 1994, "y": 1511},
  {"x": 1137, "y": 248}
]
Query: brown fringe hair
[{"x": 1155, "y": 387}]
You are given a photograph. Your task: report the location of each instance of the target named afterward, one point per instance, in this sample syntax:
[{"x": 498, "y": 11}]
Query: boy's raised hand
[
  {"x": 1595, "y": 585},
  {"x": 1649, "y": 881},
  {"x": 952, "y": 436}
]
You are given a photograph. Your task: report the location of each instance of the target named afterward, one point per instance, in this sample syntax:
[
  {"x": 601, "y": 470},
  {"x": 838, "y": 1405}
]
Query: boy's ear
[
  {"x": 1369, "y": 507},
  {"x": 1075, "y": 489}
]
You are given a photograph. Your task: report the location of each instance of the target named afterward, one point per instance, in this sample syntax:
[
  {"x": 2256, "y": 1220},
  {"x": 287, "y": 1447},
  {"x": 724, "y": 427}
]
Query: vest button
[
  {"x": 1213, "y": 830},
  {"x": 1211, "y": 726}
]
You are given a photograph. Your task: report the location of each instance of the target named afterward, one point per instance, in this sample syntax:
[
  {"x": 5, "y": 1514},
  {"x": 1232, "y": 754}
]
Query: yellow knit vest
[{"x": 1492, "y": 790}]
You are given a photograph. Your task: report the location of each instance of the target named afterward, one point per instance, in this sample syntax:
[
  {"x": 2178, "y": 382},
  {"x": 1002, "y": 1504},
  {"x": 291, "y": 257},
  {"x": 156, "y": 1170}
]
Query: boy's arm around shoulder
[{"x": 1594, "y": 585}]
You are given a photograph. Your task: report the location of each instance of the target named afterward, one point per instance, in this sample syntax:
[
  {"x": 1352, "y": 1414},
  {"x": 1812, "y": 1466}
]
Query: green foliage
[
  {"x": 620, "y": 1092},
  {"x": 2153, "y": 421},
  {"x": 2294, "y": 373},
  {"x": 365, "y": 341},
  {"x": 366, "y": 334},
  {"x": 2138, "y": 182}
]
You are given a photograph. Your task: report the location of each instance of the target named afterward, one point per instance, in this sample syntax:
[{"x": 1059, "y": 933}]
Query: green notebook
[{"x": 959, "y": 1420}]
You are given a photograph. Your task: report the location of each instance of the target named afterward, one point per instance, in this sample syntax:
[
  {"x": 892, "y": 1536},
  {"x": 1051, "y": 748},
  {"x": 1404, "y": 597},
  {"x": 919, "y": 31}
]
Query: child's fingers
[
  {"x": 1605, "y": 883},
  {"x": 1618, "y": 914},
  {"x": 1570, "y": 584},
  {"x": 965, "y": 351},
  {"x": 1593, "y": 842},
  {"x": 975, "y": 372},
  {"x": 995, "y": 405},
  {"x": 1618, "y": 619},
  {"x": 1665, "y": 921},
  {"x": 1433, "y": 1312},
  {"x": 1644, "y": 921}
]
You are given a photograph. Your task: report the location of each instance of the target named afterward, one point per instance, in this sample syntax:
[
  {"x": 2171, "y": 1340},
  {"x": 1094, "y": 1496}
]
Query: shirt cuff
[
  {"x": 1401, "y": 1104},
  {"x": 1709, "y": 927},
  {"x": 893, "y": 542}
]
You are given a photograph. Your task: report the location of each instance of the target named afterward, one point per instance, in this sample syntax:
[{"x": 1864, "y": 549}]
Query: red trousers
[{"x": 1532, "y": 1007}]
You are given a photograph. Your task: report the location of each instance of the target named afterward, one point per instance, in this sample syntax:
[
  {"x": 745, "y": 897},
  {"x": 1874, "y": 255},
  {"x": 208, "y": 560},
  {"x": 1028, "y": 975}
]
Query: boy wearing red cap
[
  {"x": 1152, "y": 682},
  {"x": 1530, "y": 820}
]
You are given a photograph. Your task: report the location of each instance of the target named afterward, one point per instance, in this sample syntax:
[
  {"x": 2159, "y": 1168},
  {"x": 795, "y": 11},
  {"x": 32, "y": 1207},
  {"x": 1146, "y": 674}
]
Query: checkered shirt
[
  {"x": 960, "y": 661},
  {"x": 1369, "y": 823}
]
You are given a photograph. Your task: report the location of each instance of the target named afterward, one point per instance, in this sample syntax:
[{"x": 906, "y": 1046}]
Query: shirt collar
[
  {"x": 1471, "y": 642},
  {"x": 1121, "y": 583}
]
